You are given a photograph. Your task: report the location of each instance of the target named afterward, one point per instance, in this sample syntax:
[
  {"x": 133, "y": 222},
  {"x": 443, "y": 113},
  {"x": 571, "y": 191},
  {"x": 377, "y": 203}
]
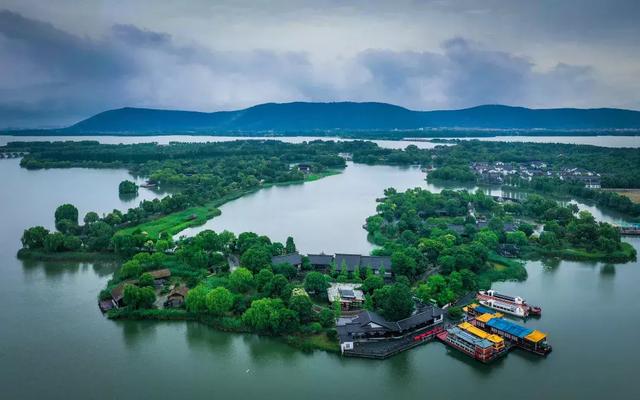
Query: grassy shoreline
[
  {"x": 313, "y": 342},
  {"x": 625, "y": 255}
]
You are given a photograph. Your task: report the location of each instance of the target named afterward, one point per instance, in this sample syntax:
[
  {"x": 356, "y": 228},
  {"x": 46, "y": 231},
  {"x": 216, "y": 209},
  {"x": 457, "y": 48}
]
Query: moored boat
[
  {"x": 513, "y": 305},
  {"x": 473, "y": 342},
  {"x": 528, "y": 339}
]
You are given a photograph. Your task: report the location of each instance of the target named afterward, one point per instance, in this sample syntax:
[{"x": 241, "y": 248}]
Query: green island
[{"x": 433, "y": 249}]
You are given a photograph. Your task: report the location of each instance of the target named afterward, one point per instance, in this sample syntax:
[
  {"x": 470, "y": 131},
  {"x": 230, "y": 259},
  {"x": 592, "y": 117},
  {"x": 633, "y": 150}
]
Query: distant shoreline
[{"x": 362, "y": 135}]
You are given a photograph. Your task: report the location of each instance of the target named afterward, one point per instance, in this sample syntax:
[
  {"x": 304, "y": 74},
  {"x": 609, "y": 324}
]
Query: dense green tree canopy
[{"x": 394, "y": 302}]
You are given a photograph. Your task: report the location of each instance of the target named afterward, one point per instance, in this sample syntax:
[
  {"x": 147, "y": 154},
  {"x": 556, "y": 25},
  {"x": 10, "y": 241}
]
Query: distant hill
[{"x": 309, "y": 117}]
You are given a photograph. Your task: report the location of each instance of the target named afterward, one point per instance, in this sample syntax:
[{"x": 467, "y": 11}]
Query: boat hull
[{"x": 506, "y": 309}]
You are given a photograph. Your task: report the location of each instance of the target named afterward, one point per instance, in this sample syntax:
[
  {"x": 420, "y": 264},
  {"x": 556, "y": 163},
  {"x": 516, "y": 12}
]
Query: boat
[
  {"x": 513, "y": 305},
  {"x": 473, "y": 342},
  {"x": 531, "y": 340}
]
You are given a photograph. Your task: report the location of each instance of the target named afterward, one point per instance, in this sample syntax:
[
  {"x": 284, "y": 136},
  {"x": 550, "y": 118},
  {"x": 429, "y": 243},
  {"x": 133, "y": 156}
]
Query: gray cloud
[
  {"x": 56, "y": 77},
  {"x": 465, "y": 74}
]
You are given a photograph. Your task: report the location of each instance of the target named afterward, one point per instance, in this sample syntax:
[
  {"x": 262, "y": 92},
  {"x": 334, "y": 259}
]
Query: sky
[{"x": 62, "y": 61}]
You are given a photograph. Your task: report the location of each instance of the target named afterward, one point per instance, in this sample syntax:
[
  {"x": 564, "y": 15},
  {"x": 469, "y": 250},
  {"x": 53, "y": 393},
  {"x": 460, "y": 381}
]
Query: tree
[
  {"x": 241, "y": 280},
  {"x": 256, "y": 257},
  {"x": 278, "y": 287},
  {"x": 196, "y": 300},
  {"x": 488, "y": 238},
  {"x": 372, "y": 283},
  {"x": 162, "y": 246},
  {"x": 91, "y": 217},
  {"x": 306, "y": 264},
  {"x": 357, "y": 277},
  {"x": 54, "y": 242},
  {"x": 343, "y": 276},
  {"x": 518, "y": 238},
  {"x": 270, "y": 316},
  {"x": 72, "y": 243},
  {"x": 290, "y": 246},
  {"x": 430, "y": 290},
  {"x": 263, "y": 278},
  {"x": 145, "y": 280},
  {"x": 402, "y": 264},
  {"x": 549, "y": 239},
  {"x": 33, "y": 238},
  {"x": 246, "y": 240},
  {"x": 66, "y": 212},
  {"x": 99, "y": 236},
  {"x": 136, "y": 297},
  {"x": 67, "y": 226},
  {"x": 208, "y": 240},
  {"x": 130, "y": 269},
  {"x": 431, "y": 248},
  {"x": 219, "y": 301},
  {"x": 127, "y": 187},
  {"x": 303, "y": 306},
  {"x": 469, "y": 280},
  {"x": 316, "y": 283},
  {"x": 125, "y": 244},
  {"x": 285, "y": 269},
  {"x": 526, "y": 228},
  {"x": 455, "y": 313},
  {"x": 327, "y": 318},
  {"x": 394, "y": 302}
]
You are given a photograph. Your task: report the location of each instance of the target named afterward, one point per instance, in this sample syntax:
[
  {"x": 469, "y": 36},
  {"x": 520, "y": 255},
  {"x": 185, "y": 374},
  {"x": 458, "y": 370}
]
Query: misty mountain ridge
[{"x": 352, "y": 116}]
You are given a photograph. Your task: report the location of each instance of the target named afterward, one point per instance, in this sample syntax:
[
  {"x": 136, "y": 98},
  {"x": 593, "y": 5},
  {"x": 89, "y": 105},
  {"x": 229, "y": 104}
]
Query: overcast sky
[{"x": 64, "y": 60}]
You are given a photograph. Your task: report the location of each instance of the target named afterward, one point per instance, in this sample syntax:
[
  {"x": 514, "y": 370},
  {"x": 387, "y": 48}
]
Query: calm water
[
  {"x": 54, "y": 343},
  {"x": 604, "y": 141}
]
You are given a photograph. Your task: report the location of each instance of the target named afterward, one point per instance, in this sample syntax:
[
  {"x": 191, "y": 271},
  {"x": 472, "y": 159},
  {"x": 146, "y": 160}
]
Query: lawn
[{"x": 176, "y": 222}]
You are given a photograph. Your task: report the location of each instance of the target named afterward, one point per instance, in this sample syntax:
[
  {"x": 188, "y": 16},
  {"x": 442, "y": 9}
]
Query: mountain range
[{"x": 351, "y": 116}]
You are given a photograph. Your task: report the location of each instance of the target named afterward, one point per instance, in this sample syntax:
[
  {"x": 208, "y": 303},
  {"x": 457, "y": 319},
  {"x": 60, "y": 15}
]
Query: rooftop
[
  {"x": 291, "y": 259},
  {"x": 344, "y": 291}
]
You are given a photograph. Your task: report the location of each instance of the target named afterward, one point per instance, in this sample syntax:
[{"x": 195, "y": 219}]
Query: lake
[
  {"x": 54, "y": 342},
  {"x": 603, "y": 141}
]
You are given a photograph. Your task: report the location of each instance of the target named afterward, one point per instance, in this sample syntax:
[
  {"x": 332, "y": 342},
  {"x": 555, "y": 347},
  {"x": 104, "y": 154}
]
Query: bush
[
  {"x": 315, "y": 327},
  {"x": 327, "y": 318},
  {"x": 455, "y": 313}
]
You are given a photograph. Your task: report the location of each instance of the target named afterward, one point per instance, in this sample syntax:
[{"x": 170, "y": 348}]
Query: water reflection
[
  {"x": 264, "y": 351},
  {"x": 204, "y": 338},
  {"x": 478, "y": 368},
  {"x": 550, "y": 264},
  {"x": 136, "y": 333},
  {"x": 127, "y": 197},
  {"x": 608, "y": 270},
  {"x": 57, "y": 269}
]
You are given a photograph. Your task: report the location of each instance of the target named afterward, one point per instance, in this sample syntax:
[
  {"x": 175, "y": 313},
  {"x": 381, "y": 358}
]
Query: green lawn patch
[{"x": 176, "y": 222}]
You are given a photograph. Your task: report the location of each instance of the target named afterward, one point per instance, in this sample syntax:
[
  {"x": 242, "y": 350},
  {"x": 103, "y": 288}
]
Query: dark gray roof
[
  {"x": 360, "y": 324},
  {"x": 420, "y": 317},
  {"x": 350, "y": 260},
  {"x": 376, "y": 262},
  {"x": 291, "y": 259},
  {"x": 355, "y": 260},
  {"x": 320, "y": 259}
]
